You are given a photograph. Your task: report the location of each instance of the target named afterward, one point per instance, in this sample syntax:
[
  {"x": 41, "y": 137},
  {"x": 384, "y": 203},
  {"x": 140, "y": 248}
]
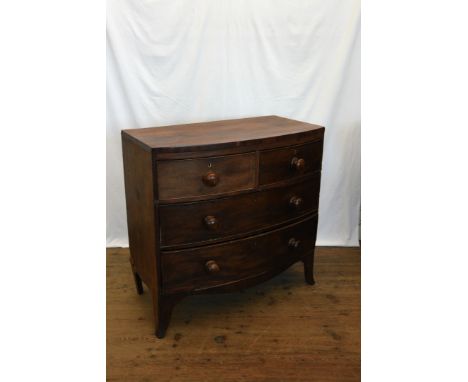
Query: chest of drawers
[{"x": 219, "y": 206}]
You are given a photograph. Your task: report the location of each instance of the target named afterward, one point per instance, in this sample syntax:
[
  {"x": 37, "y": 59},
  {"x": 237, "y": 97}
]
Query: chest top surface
[{"x": 221, "y": 134}]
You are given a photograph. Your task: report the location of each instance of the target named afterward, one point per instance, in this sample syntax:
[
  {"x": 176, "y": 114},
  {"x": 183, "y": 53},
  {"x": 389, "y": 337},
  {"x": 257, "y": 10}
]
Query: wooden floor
[{"x": 281, "y": 330}]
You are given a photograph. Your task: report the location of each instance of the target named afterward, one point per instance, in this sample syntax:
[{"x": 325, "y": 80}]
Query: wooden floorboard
[{"x": 281, "y": 330}]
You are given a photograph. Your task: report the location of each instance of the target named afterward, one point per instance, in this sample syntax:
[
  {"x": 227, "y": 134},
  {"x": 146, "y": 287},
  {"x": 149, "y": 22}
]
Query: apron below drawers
[{"x": 210, "y": 266}]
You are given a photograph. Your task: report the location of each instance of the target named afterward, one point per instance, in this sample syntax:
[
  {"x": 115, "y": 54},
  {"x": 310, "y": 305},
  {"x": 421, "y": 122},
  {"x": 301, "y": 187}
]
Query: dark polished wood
[
  {"x": 136, "y": 277},
  {"x": 212, "y": 266},
  {"x": 218, "y": 219},
  {"x": 289, "y": 162},
  {"x": 220, "y": 206},
  {"x": 178, "y": 179},
  {"x": 211, "y": 222},
  {"x": 141, "y": 215},
  {"x": 211, "y": 178},
  {"x": 184, "y": 270},
  {"x": 258, "y": 132},
  {"x": 162, "y": 309}
]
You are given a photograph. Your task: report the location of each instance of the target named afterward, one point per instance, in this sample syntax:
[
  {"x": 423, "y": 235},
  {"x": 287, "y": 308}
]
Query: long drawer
[
  {"x": 217, "y": 265},
  {"x": 199, "y": 222}
]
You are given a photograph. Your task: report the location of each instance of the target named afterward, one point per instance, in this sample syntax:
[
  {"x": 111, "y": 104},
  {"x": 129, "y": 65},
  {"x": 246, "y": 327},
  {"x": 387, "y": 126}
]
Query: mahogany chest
[{"x": 219, "y": 206}]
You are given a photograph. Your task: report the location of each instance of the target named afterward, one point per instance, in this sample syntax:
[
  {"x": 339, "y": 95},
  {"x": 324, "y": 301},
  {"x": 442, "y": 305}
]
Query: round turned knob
[
  {"x": 211, "y": 266},
  {"x": 295, "y": 201},
  {"x": 210, "y": 178},
  {"x": 298, "y": 164},
  {"x": 293, "y": 243},
  {"x": 211, "y": 222}
]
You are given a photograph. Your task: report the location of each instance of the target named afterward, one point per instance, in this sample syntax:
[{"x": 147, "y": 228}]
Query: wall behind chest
[{"x": 193, "y": 61}]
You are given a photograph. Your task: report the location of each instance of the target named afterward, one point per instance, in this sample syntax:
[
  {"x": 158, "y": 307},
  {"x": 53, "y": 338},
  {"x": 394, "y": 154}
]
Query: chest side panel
[{"x": 138, "y": 174}]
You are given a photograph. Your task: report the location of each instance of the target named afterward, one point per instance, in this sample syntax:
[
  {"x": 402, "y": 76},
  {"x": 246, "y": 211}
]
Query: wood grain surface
[
  {"x": 225, "y": 134},
  {"x": 185, "y": 223},
  {"x": 238, "y": 260},
  {"x": 141, "y": 217},
  {"x": 281, "y": 330},
  {"x": 275, "y": 165},
  {"x": 235, "y": 172}
]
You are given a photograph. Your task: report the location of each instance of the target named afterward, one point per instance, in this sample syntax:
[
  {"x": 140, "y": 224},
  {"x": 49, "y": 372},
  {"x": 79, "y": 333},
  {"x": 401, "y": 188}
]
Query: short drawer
[
  {"x": 289, "y": 162},
  {"x": 198, "y": 222},
  {"x": 227, "y": 263},
  {"x": 205, "y": 176}
]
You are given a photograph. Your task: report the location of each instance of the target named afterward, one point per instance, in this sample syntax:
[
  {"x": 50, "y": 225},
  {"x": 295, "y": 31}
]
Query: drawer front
[
  {"x": 286, "y": 163},
  {"x": 191, "y": 223},
  {"x": 216, "y": 265},
  {"x": 205, "y": 176}
]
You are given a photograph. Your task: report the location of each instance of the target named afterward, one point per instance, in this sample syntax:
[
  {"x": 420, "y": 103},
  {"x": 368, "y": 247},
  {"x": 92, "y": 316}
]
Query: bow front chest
[{"x": 219, "y": 206}]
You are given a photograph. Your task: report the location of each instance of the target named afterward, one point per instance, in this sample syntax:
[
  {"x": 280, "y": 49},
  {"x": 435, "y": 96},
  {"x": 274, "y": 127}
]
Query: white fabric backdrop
[{"x": 183, "y": 61}]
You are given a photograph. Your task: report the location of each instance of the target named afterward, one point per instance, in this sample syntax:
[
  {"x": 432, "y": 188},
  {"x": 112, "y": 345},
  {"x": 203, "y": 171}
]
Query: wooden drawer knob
[
  {"x": 210, "y": 178},
  {"x": 211, "y": 222},
  {"x": 298, "y": 164},
  {"x": 211, "y": 266},
  {"x": 296, "y": 202},
  {"x": 293, "y": 243}
]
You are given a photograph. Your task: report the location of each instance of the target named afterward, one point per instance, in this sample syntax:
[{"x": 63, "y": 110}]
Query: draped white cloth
[{"x": 183, "y": 61}]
